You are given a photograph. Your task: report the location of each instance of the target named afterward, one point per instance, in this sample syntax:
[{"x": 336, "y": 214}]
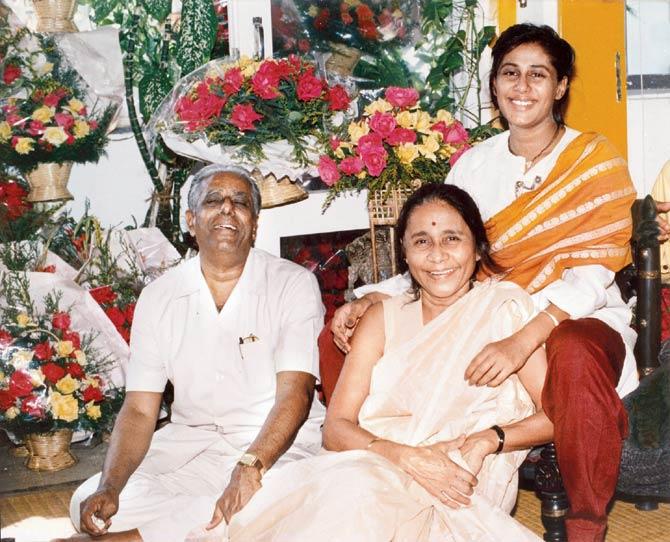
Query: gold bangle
[
  {"x": 551, "y": 316},
  {"x": 372, "y": 442}
]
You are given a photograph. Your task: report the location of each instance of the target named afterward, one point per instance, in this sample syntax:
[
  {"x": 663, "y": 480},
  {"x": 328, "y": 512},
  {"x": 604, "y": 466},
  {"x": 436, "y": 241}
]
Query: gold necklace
[{"x": 530, "y": 163}]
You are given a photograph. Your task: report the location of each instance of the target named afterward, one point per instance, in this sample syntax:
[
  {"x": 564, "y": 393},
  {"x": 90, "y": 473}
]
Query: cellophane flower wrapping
[
  {"x": 393, "y": 144},
  {"x": 58, "y": 364},
  {"x": 47, "y": 111},
  {"x": 273, "y": 115}
]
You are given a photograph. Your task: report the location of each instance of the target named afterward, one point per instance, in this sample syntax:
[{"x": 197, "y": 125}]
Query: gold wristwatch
[{"x": 251, "y": 460}]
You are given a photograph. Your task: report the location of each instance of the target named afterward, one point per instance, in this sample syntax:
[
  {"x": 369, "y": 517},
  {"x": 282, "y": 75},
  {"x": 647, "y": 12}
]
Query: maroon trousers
[{"x": 585, "y": 359}]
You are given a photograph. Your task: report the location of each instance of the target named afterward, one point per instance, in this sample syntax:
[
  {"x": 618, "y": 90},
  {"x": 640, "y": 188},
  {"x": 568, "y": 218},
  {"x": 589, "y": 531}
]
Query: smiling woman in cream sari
[{"x": 404, "y": 470}]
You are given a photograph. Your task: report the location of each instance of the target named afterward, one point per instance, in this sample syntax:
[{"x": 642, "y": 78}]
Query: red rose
[
  {"x": 364, "y": 13},
  {"x": 244, "y": 116},
  {"x": 129, "y": 311},
  {"x": 232, "y": 81},
  {"x": 65, "y": 120},
  {"x": 11, "y": 74},
  {"x": 116, "y": 316},
  {"x": 375, "y": 161},
  {"x": 328, "y": 170},
  {"x": 53, "y": 372},
  {"x": 346, "y": 17},
  {"x": 321, "y": 20},
  {"x": 309, "y": 87},
  {"x": 20, "y": 384},
  {"x": 351, "y": 165},
  {"x": 92, "y": 394},
  {"x": 382, "y": 123},
  {"x": 32, "y": 406},
  {"x": 74, "y": 370},
  {"x": 401, "y": 97},
  {"x": 7, "y": 400},
  {"x": 5, "y": 338},
  {"x": 51, "y": 100},
  {"x": 47, "y": 269},
  {"x": 368, "y": 30},
  {"x": 103, "y": 295},
  {"x": 61, "y": 320},
  {"x": 401, "y": 135},
  {"x": 199, "y": 110},
  {"x": 35, "y": 128},
  {"x": 338, "y": 99},
  {"x": 265, "y": 86},
  {"x": 43, "y": 351},
  {"x": 72, "y": 336},
  {"x": 371, "y": 142},
  {"x": 334, "y": 143},
  {"x": 455, "y": 134}
]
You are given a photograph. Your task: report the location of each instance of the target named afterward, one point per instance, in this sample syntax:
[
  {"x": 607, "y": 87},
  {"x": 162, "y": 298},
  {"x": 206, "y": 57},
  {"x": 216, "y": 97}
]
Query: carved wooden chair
[{"x": 645, "y": 466}]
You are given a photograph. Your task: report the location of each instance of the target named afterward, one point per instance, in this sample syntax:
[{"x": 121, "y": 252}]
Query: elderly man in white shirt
[{"x": 234, "y": 330}]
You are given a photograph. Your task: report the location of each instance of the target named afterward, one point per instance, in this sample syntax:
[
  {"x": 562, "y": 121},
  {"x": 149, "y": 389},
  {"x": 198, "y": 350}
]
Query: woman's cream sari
[{"x": 418, "y": 396}]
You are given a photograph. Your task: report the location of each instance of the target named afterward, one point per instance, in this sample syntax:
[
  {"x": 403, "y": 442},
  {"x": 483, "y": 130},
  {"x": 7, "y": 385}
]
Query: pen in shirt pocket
[{"x": 251, "y": 338}]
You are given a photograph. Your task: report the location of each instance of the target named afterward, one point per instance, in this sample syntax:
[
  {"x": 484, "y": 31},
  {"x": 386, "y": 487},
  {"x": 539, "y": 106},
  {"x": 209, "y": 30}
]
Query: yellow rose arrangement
[
  {"x": 393, "y": 144},
  {"x": 50, "y": 378}
]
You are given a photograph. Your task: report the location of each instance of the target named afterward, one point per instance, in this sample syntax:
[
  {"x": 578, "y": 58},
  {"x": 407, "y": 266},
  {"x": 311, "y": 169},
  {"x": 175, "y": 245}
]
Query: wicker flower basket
[
  {"x": 50, "y": 451},
  {"x": 49, "y": 182},
  {"x": 384, "y": 209},
  {"x": 278, "y": 192},
  {"x": 343, "y": 59},
  {"x": 55, "y": 15},
  {"x": 384, "y": 205}
]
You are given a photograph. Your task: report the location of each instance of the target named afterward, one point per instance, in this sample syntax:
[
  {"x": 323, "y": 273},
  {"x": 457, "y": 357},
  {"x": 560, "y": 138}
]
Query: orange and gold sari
[{"x": 580, "y": 215}]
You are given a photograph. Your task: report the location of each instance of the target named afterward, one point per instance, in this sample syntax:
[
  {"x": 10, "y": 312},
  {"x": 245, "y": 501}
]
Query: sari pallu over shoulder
[{"x": 580, "y": 215}]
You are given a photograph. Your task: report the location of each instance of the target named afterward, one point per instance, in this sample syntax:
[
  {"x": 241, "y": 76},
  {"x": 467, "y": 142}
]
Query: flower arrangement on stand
[
  {"x": 391, "y": 150},
  {"x": 394, "y": 145},
  {"x": 244, "y": 106},
  {"x": 52, "y": 380}
]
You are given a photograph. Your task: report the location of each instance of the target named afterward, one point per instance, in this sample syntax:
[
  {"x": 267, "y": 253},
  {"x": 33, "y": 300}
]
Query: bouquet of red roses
[
  {"x": 50, "y": 375},
  {"x": 251, "y": 112}
]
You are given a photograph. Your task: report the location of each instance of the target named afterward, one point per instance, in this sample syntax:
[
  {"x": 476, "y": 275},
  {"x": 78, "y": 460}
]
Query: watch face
[{"x": 249, "y": 460}]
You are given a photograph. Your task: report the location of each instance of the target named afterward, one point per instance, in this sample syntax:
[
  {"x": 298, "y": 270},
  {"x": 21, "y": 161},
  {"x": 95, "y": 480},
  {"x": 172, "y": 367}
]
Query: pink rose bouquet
[
  {"x": 393, "y": 145},
  {"x": 248, "y": 104}
]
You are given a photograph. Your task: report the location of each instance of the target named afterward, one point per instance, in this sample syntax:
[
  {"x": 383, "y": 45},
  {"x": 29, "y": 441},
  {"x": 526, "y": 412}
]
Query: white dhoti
[{"x": 177, "y": 485}]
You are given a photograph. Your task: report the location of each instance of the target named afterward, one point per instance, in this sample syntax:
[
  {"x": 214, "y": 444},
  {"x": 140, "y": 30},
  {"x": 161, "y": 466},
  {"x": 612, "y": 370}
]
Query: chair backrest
[{"x": 647, "y": 262}]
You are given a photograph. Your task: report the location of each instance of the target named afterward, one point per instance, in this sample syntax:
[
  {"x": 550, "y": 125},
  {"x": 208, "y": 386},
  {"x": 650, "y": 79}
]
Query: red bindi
[{"x": 434, "y": 223}]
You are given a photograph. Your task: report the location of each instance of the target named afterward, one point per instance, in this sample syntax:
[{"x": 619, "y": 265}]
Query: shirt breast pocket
[{"x": 258, "y": 364}]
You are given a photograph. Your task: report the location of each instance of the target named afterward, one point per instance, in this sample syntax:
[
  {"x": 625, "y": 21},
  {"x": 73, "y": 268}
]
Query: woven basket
[
  {"x": 50, "y": 451},
  {"x": 384, "y": 205},
  {"x": 49, "y": 182},
  {"x": 343, "y": 59},
  {"x": 278, "y": 192},
  {"x": 55, "y": 15}
]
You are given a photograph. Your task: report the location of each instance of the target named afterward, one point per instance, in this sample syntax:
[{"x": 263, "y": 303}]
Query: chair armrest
[{"x": 647, "y": 260}]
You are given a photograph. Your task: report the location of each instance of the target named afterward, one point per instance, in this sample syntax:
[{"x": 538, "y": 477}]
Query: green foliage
[
  {"x": 453, "y": 42},
  {"x": 197, "y": 34},
  {"x": 153, "y": 87}
]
